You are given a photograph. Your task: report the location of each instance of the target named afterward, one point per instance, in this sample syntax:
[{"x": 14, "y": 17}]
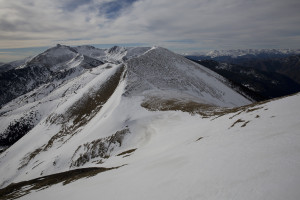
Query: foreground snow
[{"x": 180, "y": 156}]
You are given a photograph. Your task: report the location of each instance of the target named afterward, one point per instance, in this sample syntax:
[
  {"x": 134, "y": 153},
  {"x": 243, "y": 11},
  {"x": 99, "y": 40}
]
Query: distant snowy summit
[{"x": 246, "y": 52}]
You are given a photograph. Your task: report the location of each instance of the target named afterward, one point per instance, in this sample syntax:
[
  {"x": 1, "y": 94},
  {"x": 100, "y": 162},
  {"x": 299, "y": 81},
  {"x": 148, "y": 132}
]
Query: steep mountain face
[
  {"x": 53, "y": 67},
  {"x": 17, "y": 82},
  {"x": 90, "y": 107},
  {"x": 29, "y": 85},
  {"x": 289, "y": 66},
  {"x": 257, "y": 83}
]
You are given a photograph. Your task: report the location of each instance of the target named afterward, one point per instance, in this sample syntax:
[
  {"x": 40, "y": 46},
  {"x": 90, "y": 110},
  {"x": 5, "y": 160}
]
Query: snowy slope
[
  {"x": 243, "y": 153},
  {"x": 160, "y": 72}
]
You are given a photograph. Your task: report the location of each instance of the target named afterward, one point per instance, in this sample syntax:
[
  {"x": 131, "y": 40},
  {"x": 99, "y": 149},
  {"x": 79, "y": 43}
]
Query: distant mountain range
[
  {"x": 263, "y": 74},
  {"x": 222, "y": 55},
  {"x": 288, "y": 66},
  {"x": 258, "y": 83}
]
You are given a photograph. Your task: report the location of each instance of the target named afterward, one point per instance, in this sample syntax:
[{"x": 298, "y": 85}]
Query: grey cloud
[
  {"x": 209, "y": 24},
  {"x": 7, "y": 26}
]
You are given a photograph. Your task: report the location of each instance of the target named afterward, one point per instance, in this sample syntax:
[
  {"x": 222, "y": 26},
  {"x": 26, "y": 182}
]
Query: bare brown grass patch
[{"x": 17, "y": 190}]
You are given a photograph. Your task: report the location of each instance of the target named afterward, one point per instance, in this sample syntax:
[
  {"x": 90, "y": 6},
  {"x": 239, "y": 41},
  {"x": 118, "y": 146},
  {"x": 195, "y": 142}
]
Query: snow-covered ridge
[{"x": 115, "y": 54}]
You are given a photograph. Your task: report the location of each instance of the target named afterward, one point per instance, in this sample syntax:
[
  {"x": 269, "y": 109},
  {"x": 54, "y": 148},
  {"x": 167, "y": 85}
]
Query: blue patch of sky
[
  {"x": 24, "y": 51},
  {"x": 8, "y": 55},
  {"x": 74, "y": 4},
  {"x": 113, "y": 9}
]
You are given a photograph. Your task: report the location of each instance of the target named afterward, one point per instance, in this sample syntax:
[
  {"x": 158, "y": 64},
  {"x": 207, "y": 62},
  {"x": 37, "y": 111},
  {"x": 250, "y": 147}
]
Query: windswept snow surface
[{"x": 252, "y": 153}]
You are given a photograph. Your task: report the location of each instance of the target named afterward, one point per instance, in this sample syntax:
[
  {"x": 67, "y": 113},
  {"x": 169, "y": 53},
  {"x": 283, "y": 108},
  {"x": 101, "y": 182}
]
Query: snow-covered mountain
[
  {"x": 60, "y": 72},
  {"x": 161, "y": 73},
  {"x": 142, "y": 123}
]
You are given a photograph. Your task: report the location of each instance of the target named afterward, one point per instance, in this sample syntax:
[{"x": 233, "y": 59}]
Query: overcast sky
[{"x": 180, "y": 25}]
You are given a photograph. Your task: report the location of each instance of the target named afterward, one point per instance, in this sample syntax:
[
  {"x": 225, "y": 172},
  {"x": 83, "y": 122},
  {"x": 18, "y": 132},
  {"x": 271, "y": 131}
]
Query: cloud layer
[{"x": 189, "y": 25}]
